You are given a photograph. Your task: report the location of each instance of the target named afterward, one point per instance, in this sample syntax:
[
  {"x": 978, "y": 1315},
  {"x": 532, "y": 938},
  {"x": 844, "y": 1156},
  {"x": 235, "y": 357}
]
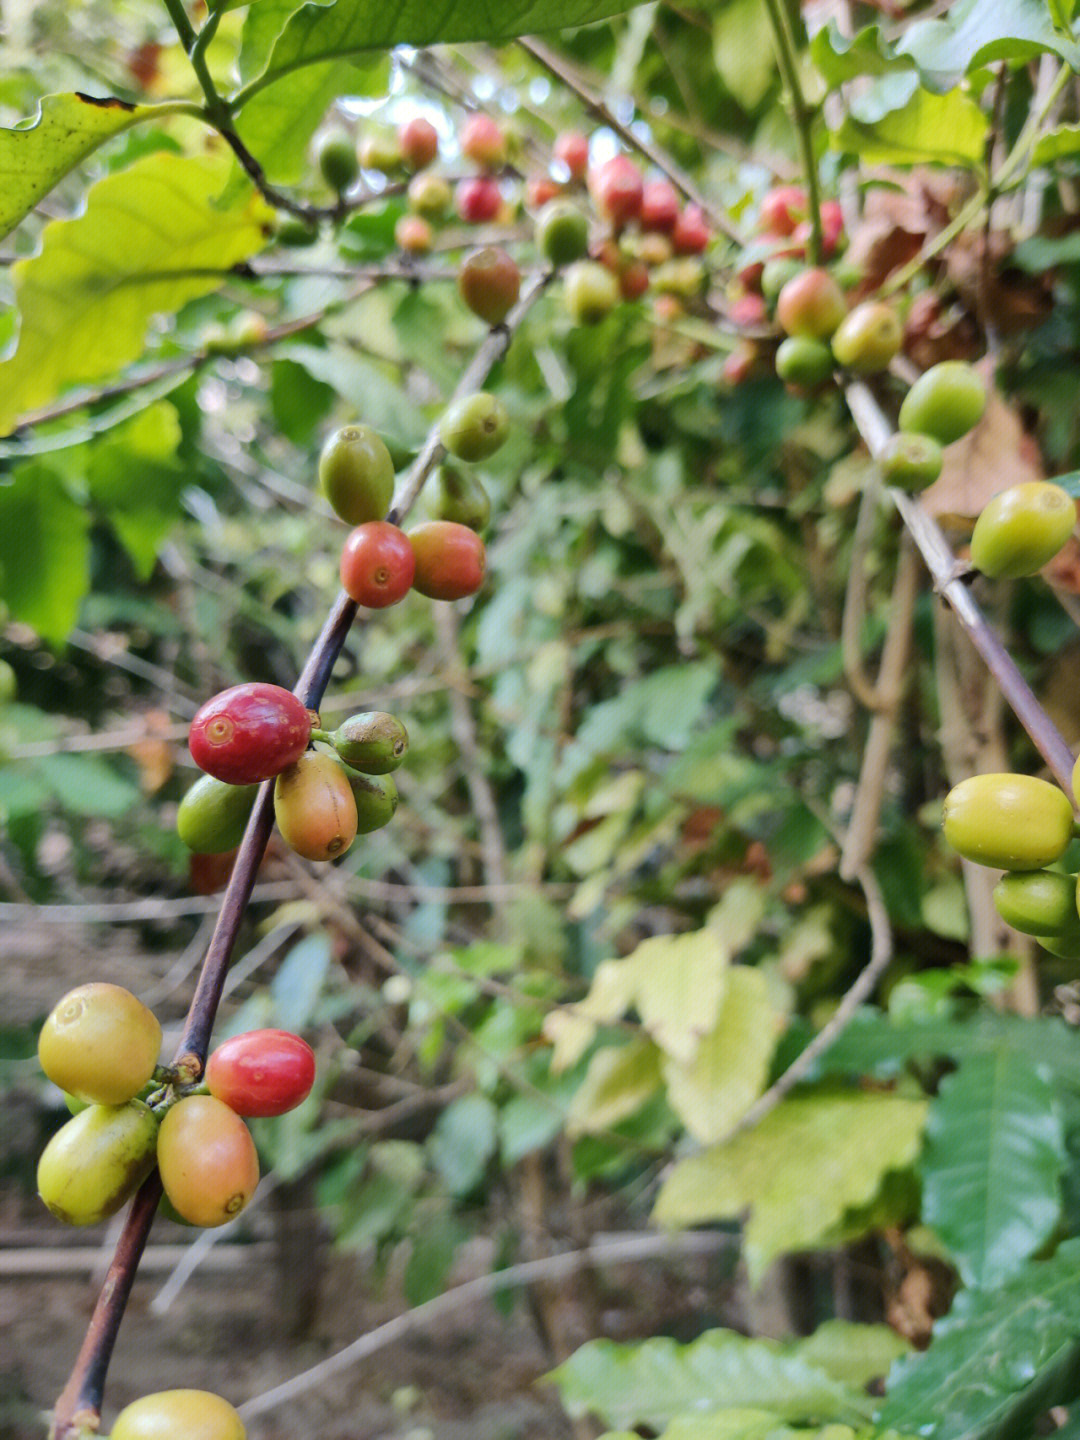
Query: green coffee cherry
[
  {"x": 213, "y": 816},
  {"x": 802, "y": 361},
  {"x": 910, "y": 461},
  {"x": 945, "y": 402},
  {"x": 459, "y": 497},
  {"x": 374, "y": 743},
  {"x": 337, "y": 159},
  {"x": 1022, "y": 529},
  {"x": 356, "y": 474},
  {"x": 562, "y": 232},
  {"x": 1038, "y": 902},
  {"x": 1008, "y": 822},
  {"x": 475, "y": 426},
  {"x": 96, "y": 1162},
  {"x": 7, "y": 683},
  {"x": 376, "y": 799}
]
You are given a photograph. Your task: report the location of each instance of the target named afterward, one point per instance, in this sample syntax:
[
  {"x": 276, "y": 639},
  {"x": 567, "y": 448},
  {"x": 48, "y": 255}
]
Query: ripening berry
[
  {"x": 617, "y": 187},
  {"x": 483, "y": 142},
  {"x": 418, "y": 141}
]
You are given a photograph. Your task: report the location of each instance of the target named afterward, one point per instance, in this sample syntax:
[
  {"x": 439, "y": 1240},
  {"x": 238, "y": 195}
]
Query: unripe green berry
[
  {"x": 910, "y": 461},
  {"x": 562, "y": 232},
  {"x": 475, "y": 426},
  {"x": 590, "y": 291},
  {"x": 946, "y": 402},
  {"x": 337, "y": 160},
  {"x": 356, "y": 474}
]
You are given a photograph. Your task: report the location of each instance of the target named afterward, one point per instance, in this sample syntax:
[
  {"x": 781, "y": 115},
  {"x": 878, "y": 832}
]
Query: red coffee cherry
[
  {"x": 617, "y": 187},
  {"x": 540, "y": 190},
  {"x": 781, "y": 210},
  {"x": 262, "y": 1072},
  {"x": 450, "y": 560},
  {"x": 478, "y": 199},
  {"x": 376, "y": 566},
  {"x": 690, "y": 233},
  {"x": 811, "y": 304},
  {"x": 249, "y": 733},
  {"x": 483, "y": 141},
  {"x": 659, "y": 206},
  {"x": 418, "y": 141},
  {"x": 489, "y": 281},
  {"x": 571, "y": 149}
]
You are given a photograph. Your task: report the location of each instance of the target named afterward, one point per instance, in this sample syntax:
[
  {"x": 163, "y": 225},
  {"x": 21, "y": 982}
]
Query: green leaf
[
  {"x": 744, "y": 52},
  {"x": 841, "y": 59},
  {"x": 658, "y": 1380},
  {"x": 44, "y": 552},
  {"x": 810, "y": 1160},
  {"x": 855, "y": 1354},
  {"x": 435, "y": 1239},
  {"x": 923, "y": 129},
  {"x": 992, "y": 1164},
  {"x": 87, "y": 299},
  {"x": 299, "y": 981},
  {"x": 36, "y": 153},
  {"x": 88, "y": 785},
  {"x": 318, "y": 33},
  {"x": 1058, "y": 144},
  {"x": 381, "y": 402},
  {"x": 998, "y": 1360},
  {"x": 277, "y": 123},
  {"x": 463, "y": 1142},
  {"x": 680, "y": 983},
  {"x": 136, "y": 477},
  {"x": 713, "y": 1091},
  {"x": 619, "y": 1080},
  {"x": 975, "y": 34}
]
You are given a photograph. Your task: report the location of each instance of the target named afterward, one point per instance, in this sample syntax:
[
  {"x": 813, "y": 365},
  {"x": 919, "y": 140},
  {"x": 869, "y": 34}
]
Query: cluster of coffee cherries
[
  {"x": 100, "y": 1044},
  {"x": 1022, "y": 825}
]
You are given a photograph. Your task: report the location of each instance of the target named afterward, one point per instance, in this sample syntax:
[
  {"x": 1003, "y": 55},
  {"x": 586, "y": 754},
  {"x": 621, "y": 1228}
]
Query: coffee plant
[{"x": 570, "y": 505}]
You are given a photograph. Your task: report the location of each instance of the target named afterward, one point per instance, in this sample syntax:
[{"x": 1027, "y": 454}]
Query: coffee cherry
[
  {"x": 459, "y": 497},
  {"x": 474, "y": 427},
  {"x": 590, "y": 292},
  {"x": 684, "y": 276},
  {"x": 478, "y": 199},
  {"x": 380, "y": 151},
  {"x": 450, "y": 560},
  {"x": 868, "y": 338},
  {"x": 659, "y": 206},
  {"x": 373, "y": 743},
  {"x": 776, "y": 273},
  {"x": 178, "y": 1415},
  {"x": 811, "y": 304},
  {"x": 376, "y": 565},
  {"x": 96, "y": 1161},
  {"x": 749, "y": 310},
  {"x": 336, "y": 157},
  {"x": 562, "y": 232},
  {"x": 418, "y": 141},
  {"x": 489, "y": 282},
  {"x": 910, "y": 462},
  {"x": 690, "y": 233},
  {"x": 483, "y": 142},
  {"x": 314, "y": 808},
  {"x": 296, "y": 233},
  {"x": 946, "y": 402},
  {"x": 100, "y": 1043},
  {"x": 414, "y": 235},
  {"x": 249, "y": 733},
  {"x": 8, "y": 683},
  {"x": 1008, "y": 822},
  {"x": 376, "y": 798},
  {"x": 1022, "y": 529},
  {"x": 572, "y": 150},
  {"x": 654, "y": 249},
  {"x": 781, "y": 209},
  {"x": 430, "y": 196},
  {"x": 356, "y": 474},
  {"x": 1038, "y": 902},
  {"x": 261, "y": 1072},
  {"x": 804, "y": 362},
  {"x": 207, "y": 1159},
  {"x": 617, "y": 187}
]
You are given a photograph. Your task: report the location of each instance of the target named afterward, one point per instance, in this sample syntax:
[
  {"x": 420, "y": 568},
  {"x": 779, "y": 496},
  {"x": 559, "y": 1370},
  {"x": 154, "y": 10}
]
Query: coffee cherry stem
[{"x": 948, "y": 575}]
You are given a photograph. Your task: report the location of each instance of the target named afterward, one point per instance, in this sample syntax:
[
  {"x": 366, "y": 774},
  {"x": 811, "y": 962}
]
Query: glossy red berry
[
  {"x": 617, "y": 187},
  {"x": 478, "y": 199},
  {"x": 418, "y": 141},
  {"x": 540, "y": 190},
  {"x": 690, "y": 233},
  {"x": 249, "y": 733},
  {"x": 659, "y": 206},
  {"x": 782, "y": 209},
  {"x": 482, "y": 141},
  {"x": 811, "y": 304},
  {"x": 450, "y": 560},
  {"x": 571, "y": 149},
  {"x": 489, "y": 282},
  {"x": 377, "y": 565},
  {"x": 262, "y": 1072}
]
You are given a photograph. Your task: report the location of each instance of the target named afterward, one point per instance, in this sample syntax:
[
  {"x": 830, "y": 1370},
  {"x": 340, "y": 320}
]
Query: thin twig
[{"x": 628, "y": 1250}]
